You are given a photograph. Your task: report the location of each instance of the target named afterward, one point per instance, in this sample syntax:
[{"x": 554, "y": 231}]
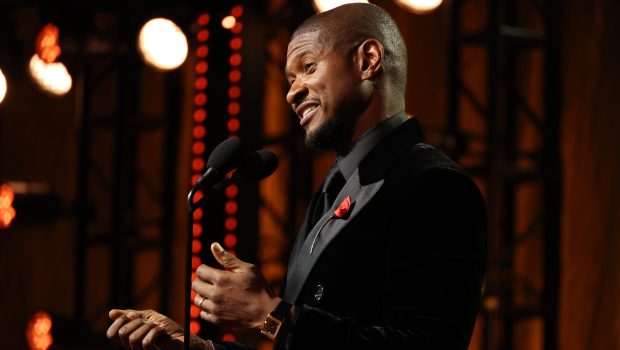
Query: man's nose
[{"x": 296, "y": 93}]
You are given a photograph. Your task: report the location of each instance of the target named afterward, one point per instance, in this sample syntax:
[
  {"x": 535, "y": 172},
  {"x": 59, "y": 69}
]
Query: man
[{"x": 397, "y": 259}]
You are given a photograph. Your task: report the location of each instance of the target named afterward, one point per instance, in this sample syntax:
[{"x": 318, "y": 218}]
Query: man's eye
[{"x": 309, "y": 66}]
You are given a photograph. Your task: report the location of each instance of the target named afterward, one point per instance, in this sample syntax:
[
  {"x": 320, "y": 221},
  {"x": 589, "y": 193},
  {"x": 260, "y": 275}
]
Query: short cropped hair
[{"x": 351, "y": 24}]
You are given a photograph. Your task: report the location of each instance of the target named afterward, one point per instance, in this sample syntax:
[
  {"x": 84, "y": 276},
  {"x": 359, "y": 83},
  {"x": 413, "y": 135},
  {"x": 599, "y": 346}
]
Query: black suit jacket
[{"x": 404, "y": 268}]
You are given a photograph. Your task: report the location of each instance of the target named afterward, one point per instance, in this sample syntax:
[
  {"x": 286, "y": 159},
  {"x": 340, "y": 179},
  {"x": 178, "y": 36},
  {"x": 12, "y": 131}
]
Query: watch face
[
  {"x": 274, "y": 320},
  {"x": 271, "y": 327}
]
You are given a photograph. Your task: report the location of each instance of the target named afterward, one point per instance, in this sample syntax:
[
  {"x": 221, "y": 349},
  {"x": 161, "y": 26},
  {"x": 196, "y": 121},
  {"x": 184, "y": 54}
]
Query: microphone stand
[{"x": 191, "y": 207}]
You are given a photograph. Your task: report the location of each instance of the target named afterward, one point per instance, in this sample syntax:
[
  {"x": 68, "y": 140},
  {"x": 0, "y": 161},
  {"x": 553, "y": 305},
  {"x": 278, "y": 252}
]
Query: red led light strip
[
  {"x": 198, "y": 148},
  {"x": 233, "y": 125},
  {"x": 199, "y": 132}
]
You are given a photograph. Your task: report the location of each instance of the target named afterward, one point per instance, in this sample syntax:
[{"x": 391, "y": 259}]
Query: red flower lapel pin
[
  {"x": 343, "y": 209},
  {"x": 340, "y": 213}
]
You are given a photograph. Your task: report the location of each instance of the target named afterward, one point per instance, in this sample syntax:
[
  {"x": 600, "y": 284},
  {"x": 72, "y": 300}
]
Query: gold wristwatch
[{"x": 275, "y": 319}]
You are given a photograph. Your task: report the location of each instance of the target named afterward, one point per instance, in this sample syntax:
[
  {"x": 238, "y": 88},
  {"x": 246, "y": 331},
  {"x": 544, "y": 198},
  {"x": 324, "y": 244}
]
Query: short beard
[{"x": 328, "y": 135}]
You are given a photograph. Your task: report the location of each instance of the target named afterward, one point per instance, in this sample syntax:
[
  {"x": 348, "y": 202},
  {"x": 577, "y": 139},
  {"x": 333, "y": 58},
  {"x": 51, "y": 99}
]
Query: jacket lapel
[{"x": 303, "y": 262}]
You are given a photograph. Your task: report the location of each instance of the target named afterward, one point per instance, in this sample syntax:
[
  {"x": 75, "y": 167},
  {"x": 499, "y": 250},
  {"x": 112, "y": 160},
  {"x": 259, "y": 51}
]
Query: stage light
[
  {"x": 237, "y": 11},
  {"x": 3, "y": 87},
  {"x": 48, "y": 331},
  {"x": 229, "y": 22},
  {"x": 47, "y": 43},
  {"x": 232, "y": 191},
  {"x": 162, "y": 44},
  {"x": 194, "y": 327},
  {"x": 198, "y": 213},
  {"x": 230, "y": 240},
  {"x": 51, "y": 77},
  {"x": 199, "y": 131},
  {"x": 200, "y": 99},
  {"x": 7, "y": 212},
  {"x": 325, "y": 5},
  {"x": 39, "y": 331},
  {"x": 200, "y": 115},
  {"x": 419, "y": 6},
  {"x": 202, "y": 67},
  {"x": 234, "y": 76},
  {"x": 237, "y": 28}
]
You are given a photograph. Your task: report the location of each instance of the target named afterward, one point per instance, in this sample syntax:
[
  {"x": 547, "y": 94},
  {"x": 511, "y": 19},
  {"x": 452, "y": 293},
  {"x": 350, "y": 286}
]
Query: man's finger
[
  {"x": 136, "y": 337},
  {"x": 127, "y": 330},
  {"x": 116, "y": 313},
  {"x": 227, "y": 260},
  {"x": 207, "y": 307},
  {"x": 112, "y": 332},
  {"x": 202, "y": 289},
  {"x": 150, "y": 340}
]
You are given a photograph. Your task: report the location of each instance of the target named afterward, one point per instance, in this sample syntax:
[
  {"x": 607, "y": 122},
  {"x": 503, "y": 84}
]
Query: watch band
[{"x": 275, "y": 319}]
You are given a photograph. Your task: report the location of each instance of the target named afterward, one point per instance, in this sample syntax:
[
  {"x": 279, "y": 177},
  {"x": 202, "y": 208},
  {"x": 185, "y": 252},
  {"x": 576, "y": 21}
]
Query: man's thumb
[{"x": 227, "y": 260}]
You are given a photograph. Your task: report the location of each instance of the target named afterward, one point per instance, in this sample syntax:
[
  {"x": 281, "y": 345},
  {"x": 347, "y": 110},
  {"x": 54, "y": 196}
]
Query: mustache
[{"x": 298, "y": 100}]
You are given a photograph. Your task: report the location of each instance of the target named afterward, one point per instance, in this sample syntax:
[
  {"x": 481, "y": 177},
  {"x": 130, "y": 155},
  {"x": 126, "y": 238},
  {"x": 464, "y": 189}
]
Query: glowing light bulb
[
  {"x": 162, "y": 44},
  {"x": 3, "y": 87},
  {"x": 419, "y": 6},
  {"x": 39, "y": 331},
  {"x": 229, "y": 22},
  {"x": 325, "y": 5},
  {"x": 51, "y": 77},
  {"x": 47, "y": 43}
]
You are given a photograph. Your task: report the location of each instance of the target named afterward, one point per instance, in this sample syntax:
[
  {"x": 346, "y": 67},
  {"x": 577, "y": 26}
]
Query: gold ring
[{"x": 200, "y": 303}]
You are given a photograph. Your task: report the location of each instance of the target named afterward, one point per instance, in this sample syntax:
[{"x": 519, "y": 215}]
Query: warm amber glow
[
  {"x": 7, "y": 212},
  {"x": 325, "y": 5},
  {"x": 3, "y": 86},
  {"x": 39, "y": 331},
  {"x": 229, "y": 22},
  {"x": 51, "y": 77},
  {"x": 419, "y": 6},
  {"x": 47, "y": 43},
  {"x": 162, "y": 44}
]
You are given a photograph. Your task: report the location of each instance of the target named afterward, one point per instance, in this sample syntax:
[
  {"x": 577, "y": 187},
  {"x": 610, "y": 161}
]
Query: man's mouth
[{"x": 306, "y": 111}]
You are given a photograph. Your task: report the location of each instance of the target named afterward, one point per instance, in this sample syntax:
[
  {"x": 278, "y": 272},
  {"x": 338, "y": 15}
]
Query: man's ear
[{"x": 370, "y": 55}]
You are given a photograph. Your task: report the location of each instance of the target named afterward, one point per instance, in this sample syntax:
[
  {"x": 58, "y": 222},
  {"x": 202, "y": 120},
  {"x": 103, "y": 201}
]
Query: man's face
[{"x": 325, "y": 90}]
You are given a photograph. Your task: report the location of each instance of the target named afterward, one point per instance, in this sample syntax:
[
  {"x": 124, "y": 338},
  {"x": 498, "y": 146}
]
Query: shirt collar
[{"x": 350, "y": 161}]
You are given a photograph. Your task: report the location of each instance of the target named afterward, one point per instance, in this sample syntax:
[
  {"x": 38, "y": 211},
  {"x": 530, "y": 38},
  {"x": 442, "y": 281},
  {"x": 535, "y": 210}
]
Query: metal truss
[
  {"x": 127, "y": 165},
  {"x": 503, "y": 124}
]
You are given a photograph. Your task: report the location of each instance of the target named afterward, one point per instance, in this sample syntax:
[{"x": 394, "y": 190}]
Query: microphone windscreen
[
  {"x": 225, "y": 156},
  {"x": 256, "y": 166}
]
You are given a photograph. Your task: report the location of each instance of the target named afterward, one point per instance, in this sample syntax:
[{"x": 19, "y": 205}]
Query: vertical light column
[
  {"x": 234, "y": 24},
  {"x": 233, "y": 125},
  {"x": 198, "y": 165}
]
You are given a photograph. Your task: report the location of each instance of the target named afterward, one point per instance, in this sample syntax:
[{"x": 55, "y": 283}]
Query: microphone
[
  {"x": 223, "y": 159},
  {"x": 254, "y": 166}
]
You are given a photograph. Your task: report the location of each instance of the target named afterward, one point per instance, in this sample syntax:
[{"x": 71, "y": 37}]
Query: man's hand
[
  {"x": 236, "y": 298},
  {"x": 147, "y": 329}
]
